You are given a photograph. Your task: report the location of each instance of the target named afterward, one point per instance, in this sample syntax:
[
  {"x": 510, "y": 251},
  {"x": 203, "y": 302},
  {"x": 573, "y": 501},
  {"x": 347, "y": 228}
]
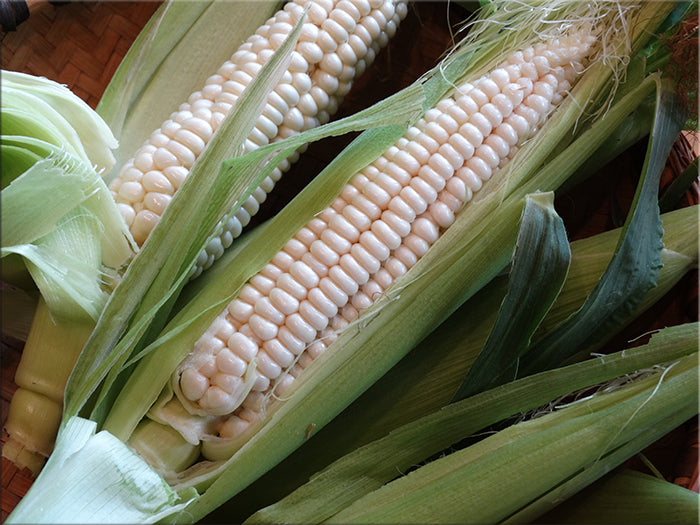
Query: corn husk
[
  {"x": 429, "y": 377},
  {"x": 628, "y": 496},
  {"x": 346, "y": 487},
  {"x": 583, "y": 440},
  {"x": 177, "y": 42}
]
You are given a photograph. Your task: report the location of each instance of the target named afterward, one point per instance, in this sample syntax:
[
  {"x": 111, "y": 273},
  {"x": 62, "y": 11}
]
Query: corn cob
[
  {"x": 384, "y": 220},
  {"x": 339, "y": 39}
]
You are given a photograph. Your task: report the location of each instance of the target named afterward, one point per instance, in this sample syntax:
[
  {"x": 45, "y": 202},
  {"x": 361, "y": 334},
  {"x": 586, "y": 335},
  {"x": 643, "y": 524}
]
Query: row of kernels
[
  {"x": 324, "y": 84},
  {"x": 458, "y": 189},
  {"x": 501, "y": 142},
  {"x": 188, "y": 134},
  {"x": 386, "y": 240}
]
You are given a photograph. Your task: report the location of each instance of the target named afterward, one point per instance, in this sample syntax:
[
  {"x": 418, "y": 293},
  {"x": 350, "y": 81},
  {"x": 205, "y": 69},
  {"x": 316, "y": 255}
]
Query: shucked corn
[
  {"x": 339, "y": 39},
  {"x": 384, "y": 220}
]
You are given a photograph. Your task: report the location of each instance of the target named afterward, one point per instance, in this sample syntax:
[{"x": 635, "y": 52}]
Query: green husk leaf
[
  {"x": 24, "y": 218},
  {"x": 33, "y": 144},
  {"x": 628, "y": 497},
  {"x": 54, "y": 143},
  {"x": 37, "y": 150},
  {"x": 23, "y": 121},
  {"x": 34, "y": 202},
  {"x": 545, "y": 452},
  {"x": 636, "y": 264},
  {"x": 93, "y": 134},
  {"x": 66, "y": 265},
  {"x": 59, "y": 217},
  {"x": 539, "y": 268},
  {"x": 367, "y": 468},
  {"x": 611, "y": 460}
]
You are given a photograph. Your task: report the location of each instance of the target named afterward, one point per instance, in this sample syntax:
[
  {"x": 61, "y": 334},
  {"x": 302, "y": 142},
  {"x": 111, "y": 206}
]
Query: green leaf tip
[{"x": 539, "y": 268}]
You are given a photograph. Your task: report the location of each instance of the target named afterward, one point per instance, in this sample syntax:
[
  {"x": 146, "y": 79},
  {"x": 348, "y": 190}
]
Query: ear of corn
[
  {"x": 198, "y": 313},
  {"x": 337, "y": 43}
]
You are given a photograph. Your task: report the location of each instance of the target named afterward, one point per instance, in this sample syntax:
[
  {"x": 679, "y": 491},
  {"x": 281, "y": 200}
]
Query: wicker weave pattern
[
  {"x": 14, "y": 483},
  {"x": 78, "y": 44}
]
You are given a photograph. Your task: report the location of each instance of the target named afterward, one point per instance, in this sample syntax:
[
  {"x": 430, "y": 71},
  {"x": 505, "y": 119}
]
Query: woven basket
[{"x": 80, "y": 44}]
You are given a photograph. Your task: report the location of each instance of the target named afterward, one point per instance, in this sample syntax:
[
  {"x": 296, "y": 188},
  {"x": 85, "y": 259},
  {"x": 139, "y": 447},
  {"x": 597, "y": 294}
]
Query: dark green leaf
[
  {"x": 637, "y": 260},
  {"x": 540, "y": 265},
  {"x": 678, "y": 187}
]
